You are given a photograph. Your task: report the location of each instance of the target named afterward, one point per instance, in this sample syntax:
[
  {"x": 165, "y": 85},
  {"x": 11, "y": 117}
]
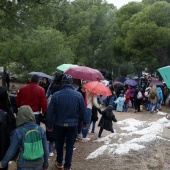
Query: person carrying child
[{"x": 106, "y": 120}]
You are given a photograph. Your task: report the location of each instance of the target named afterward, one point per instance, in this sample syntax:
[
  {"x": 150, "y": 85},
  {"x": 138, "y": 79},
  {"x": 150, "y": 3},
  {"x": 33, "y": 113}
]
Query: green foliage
[{"x": 40, "y": 35}]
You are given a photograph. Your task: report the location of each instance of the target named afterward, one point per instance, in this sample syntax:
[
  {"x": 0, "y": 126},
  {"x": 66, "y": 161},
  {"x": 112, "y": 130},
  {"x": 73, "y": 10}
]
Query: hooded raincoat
[{"x": 25, "y": 119}]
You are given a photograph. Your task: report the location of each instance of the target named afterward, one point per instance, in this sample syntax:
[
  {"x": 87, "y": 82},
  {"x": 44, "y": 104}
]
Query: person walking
[
  {"x": 45, "y": 84},
  {"x": 67, "y": 106},
  {"x": 33, "y": 95},
  {"x": 153, "y": 98},
  {"x": 25, "y": 121},
  {"x": 106, "y": 120},
  {"x": 160, "y": 98},
  {"x": 138, "y": 99},
  {"x": 127, "y": 99},
  {"x": 120, "y": 103},
  {"x": 7, "y": 123},
  {"x": 90, "y": 100}
]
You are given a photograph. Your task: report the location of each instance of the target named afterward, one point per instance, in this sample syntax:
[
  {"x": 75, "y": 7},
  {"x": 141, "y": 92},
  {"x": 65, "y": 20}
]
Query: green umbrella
[
  {"x": 64, "y": 67},
  {"x": 165, "y": 73}
]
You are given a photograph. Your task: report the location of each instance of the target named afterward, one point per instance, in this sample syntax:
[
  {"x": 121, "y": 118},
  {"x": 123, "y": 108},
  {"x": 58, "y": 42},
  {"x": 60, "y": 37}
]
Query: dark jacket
[
  {"x": 67, "y": 106},
  {"x": 106, "y": 119},
  {"x": 7, "y": 124}
]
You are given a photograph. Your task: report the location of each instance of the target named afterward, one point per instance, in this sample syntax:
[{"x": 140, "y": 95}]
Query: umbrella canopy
[
  {"x": 64, "y": 67},
  {"x": 156, "y": 82},
  {"x": 131, "y": 82},
  {"x": 165, "y": 73},
  {"x": 40, "y": 74},
  {"x": 117, "y": 83},
  {"x": 97, "y": 87},
  {"x": 85, "y": 73}
]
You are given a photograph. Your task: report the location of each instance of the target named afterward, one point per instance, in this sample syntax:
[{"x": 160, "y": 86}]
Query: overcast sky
[{"x": 120, "y": 3}]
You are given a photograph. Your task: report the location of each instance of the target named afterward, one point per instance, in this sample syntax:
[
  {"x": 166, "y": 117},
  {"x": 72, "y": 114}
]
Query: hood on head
[
  {"x": 25, "y": 115},
  {"x": 110, "y": 108}
]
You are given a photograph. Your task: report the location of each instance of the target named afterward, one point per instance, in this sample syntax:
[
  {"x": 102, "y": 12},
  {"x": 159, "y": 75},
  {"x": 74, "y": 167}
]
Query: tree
[{"x": 148, "y": 36}]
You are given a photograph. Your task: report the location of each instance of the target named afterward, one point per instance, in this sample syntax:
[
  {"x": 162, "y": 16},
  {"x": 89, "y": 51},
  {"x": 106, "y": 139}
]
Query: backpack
[
  {"x": 33, "y": 147},
  {"x": 139, "y": 95}
]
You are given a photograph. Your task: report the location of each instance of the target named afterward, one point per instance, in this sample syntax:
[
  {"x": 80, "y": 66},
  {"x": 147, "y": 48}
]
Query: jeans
[
  {"x": 51, "y": 147},
  {"x": 93, "y": 126},
  {"x": 101, "y": 130},
  {"x": 65, "y": 134},
  {"x": 152, "y": 107},
  {"x": 147, "y": 103},
  {"x": 126, "y": 107},
  {"x": 88, "y": 116}
]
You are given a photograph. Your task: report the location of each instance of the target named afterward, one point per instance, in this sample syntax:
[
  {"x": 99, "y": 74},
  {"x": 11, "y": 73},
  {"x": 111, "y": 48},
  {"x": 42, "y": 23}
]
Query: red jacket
[
  {"x": 127, "y": 96},
  {"x": 34, "y": 96}
]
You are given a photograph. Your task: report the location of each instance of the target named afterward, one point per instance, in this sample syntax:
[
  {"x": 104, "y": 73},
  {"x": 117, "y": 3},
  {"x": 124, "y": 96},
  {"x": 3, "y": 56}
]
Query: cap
[{"x": 67, "y": 79}]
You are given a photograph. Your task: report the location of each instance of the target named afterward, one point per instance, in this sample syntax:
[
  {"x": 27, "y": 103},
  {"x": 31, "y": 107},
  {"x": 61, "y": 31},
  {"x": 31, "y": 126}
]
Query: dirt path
[{"x": 155, "y": 155}]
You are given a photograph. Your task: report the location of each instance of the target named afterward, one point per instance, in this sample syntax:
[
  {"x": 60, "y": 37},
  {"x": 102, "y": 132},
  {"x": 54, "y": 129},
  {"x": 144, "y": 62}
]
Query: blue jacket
[
  {"x": 67, "y": 106},
  {"x": 15, "y": 150},
  {"x": 160, "y": 94}
]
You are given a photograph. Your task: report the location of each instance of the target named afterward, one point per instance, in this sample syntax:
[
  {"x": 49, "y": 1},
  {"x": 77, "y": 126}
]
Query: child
[
  {"x": 127, "y": 99},
  {"x": 120, "y": 103},
  {"x": 25, "y": 121},
  {"x": 106, "y": 120}
]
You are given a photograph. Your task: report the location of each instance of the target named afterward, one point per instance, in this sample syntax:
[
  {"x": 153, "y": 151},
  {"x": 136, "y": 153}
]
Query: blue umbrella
[
  {"x": 40, "y": 74},
  {"x": 131, "y": 82}
]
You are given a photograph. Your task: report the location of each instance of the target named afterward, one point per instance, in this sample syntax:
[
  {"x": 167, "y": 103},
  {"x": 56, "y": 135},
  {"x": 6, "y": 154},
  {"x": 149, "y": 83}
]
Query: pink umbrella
[{"x": 85, "y": 73}]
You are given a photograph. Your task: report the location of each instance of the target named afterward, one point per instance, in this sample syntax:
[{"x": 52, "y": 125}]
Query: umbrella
[
  {"x": 64, "y": 67},
  {"x": 40, "y": 74},
  {"x": 156, "y": 82},
  {"x": 85, "y": 73},
  {"x": 118, "y": 83},
  {"x": 96, "y": 87},
  {"x": 165, "y": 73},
  {"x": 131, "y": 82}
]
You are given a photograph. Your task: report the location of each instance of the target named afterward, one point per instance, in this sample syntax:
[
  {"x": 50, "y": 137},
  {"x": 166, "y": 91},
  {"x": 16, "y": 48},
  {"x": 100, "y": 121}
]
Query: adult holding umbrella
[{"x": 91, "y": 90}]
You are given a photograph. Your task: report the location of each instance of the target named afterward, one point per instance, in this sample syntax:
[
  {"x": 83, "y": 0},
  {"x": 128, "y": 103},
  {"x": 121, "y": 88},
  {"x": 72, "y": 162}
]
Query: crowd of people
[
  {"x": 145, "y": 95},
  {"x": 67, "y": 110}
]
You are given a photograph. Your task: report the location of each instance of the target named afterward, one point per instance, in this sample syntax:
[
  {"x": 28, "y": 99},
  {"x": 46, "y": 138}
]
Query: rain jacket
[
  {"x": 34, "y": 96},
  {"x": 120, "y": 102},
  {"x": 25, "y": 119},
  {"x": 160, "y": 93}
]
